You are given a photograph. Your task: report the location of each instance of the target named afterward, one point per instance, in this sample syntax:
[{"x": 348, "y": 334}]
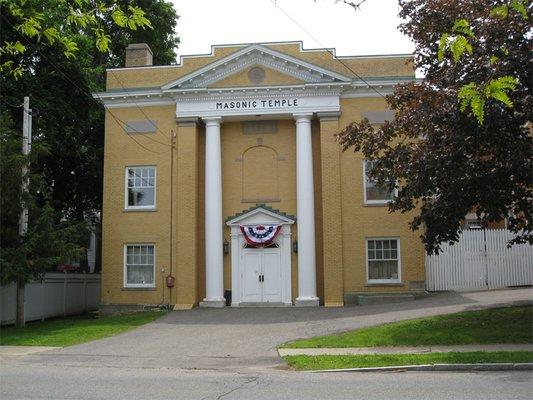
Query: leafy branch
[
  {"x": 80, "y": 16},
  {"x": 459, "y": 41}
]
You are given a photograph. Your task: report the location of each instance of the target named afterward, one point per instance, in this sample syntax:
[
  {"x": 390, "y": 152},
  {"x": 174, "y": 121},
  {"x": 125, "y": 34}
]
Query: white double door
[{"x": 261, "y": 275}]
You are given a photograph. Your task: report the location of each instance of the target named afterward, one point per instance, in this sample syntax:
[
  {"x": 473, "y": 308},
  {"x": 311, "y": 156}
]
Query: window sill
[
  {"x": 139, "y": 210},
  {"x": 398, "y": 284},
  {"x": 384, "y": 204},
  {"x": 139, "y": 288}
]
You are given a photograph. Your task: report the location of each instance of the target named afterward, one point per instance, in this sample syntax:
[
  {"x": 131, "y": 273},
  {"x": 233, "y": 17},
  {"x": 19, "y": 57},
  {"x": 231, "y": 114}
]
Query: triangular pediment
[
  {"x": 255, "y": 55},
  {"x": 260, "y": 214},
  {"x": 248, "y": 77}
]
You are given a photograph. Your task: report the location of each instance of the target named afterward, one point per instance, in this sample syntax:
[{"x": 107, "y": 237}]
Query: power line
[
  {"x": 327, "y": 49},
  {"x": 11, "y": 105},
  {"x": 120, "y": 122}
]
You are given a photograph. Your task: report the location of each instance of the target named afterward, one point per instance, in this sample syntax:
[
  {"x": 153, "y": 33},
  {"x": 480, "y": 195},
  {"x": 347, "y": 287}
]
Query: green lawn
[
  {"x": 497, "y": 325},
  {"x": 73, "y": 330},
  {"x": 306, "y": 363}
]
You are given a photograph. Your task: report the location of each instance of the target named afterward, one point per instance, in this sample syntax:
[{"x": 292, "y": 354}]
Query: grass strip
[
  {"x": 307, "y": 363},
  {"x": 68, "y": 331},
  {"x": 497, "y": 325}
]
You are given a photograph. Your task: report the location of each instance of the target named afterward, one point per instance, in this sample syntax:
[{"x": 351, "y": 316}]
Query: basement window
[
  {"x": 383, "y": 260},
  {"x": 139, "y": 265}
]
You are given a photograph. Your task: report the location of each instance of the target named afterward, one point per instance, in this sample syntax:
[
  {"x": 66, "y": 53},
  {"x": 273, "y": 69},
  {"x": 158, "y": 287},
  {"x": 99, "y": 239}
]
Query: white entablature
[{"x": 263, "y": 101}]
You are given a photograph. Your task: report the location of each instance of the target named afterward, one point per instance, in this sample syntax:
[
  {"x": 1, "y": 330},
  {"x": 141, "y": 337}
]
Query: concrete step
[{"x": 370, "y": 299}]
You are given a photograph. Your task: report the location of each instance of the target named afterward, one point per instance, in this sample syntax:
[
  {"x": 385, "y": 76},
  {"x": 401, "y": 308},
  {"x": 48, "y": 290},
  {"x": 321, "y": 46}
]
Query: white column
[
  {"x": 305, "y": 204},
  {"x": 214, "y": 279}
]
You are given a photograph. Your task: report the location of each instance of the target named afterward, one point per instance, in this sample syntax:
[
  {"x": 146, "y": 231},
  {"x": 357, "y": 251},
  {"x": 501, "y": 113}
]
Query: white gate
[{"x": 480, "y": 260}]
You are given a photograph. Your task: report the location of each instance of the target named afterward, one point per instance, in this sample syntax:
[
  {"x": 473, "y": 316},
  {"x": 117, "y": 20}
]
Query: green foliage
[
  {"x": 472, "y": 94},
  {"x": 457, "y": 42},
  {"x": 475, "y": 96},
  {"x": 68, "y": 124},
  {"x": 469, "y": 95},
  {"x": 24, "y": 17},
  {"x": 502, "y": 10},
  {"x": 46, "y": 244}
]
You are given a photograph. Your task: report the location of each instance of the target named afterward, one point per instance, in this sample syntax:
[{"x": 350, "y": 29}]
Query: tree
[
  {"x": 70, "y": 121},
  {"x": 68, "y": 132},
  {"x": 461, "y": 137}
]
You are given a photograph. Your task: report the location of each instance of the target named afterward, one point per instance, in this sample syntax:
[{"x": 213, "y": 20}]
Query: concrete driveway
[{"x": 246, "y": 339}]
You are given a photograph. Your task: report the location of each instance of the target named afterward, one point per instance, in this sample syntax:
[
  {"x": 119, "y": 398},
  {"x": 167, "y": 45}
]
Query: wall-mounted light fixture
[
  {"x": 225, "y": 247},
  {"x": 295, "y": 246}
]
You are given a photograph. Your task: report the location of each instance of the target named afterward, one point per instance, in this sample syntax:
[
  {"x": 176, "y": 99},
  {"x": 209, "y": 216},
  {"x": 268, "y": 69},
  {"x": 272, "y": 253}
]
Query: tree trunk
[{"x": 21, "y": 321}]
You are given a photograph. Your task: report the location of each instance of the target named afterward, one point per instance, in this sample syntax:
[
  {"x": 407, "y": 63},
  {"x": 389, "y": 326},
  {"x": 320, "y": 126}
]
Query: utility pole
[
  {"x": 23, "y": 219},
  {"x": 26, "y": 148}
]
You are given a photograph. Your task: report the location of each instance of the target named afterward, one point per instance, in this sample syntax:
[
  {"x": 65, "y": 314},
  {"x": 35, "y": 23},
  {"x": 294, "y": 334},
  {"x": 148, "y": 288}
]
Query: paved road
[
  {"x": 80, "y": 383},
  {"x": 205, "y": 353}
]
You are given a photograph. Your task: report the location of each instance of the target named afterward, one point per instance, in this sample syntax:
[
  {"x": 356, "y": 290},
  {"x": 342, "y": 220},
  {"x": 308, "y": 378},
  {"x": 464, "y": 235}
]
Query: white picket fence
[
  {"x": 58, "y": 294},
  {"x": 480, "y": 260}
]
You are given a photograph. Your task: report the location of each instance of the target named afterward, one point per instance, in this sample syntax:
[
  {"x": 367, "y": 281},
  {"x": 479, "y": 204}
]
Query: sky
[{"x": 371, "y": 30}]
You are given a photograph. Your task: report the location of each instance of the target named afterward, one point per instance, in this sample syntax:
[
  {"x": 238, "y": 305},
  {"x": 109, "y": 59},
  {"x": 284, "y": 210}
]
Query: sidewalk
[
  {"x": 404, "y": 350},
  {"x": 23, "y": 350}
]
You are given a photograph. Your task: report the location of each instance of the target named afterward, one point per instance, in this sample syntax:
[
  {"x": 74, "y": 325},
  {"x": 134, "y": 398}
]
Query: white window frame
[
  {"x": 399, "y": 251},
  {"x": 125, "y": 272},
  {"x": 126, "y": 194},
  {"x": 394, "y": 193}
]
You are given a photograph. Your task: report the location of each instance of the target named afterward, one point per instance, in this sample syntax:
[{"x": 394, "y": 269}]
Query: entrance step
[
  {"x": 263, "y": 304},
  {"x": 364, "y": 299}
]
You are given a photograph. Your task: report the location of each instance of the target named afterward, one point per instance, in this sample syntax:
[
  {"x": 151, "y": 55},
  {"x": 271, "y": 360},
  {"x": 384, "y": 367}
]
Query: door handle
[{"x": 261, "y": 278}]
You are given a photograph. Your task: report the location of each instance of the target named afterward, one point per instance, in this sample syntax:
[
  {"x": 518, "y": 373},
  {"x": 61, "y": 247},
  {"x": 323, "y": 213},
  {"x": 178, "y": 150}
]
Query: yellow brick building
[{"x": 204, "y": 157}]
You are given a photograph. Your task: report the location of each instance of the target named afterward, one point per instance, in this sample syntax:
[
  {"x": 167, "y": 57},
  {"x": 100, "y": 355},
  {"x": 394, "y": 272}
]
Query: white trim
[
  {"x": 126, "y": 205},
  {"x": 377, "y": 281},
  {"x": 277, "y": 218},
  {"x": 125, "y": 283},
  {"x": 157, "y": 97},
  {"x": 299, "y": 42},
  {"x": 366, "y": 201}
]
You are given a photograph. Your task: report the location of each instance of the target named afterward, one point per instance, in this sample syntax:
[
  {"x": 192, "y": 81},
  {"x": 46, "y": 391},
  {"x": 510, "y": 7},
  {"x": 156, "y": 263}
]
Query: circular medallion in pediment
[{"x": 256, "y": 75}]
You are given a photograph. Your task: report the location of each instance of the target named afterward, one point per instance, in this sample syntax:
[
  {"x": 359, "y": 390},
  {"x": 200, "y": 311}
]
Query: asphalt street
[{"x": 64, "y": 382}]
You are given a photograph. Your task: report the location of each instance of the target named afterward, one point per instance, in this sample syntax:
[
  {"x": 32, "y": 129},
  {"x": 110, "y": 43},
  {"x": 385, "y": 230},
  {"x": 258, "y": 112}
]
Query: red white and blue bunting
[{"x": 260, "y": 235}]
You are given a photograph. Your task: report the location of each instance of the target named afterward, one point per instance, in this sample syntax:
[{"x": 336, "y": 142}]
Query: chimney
[{"x": 138, "y": 55}]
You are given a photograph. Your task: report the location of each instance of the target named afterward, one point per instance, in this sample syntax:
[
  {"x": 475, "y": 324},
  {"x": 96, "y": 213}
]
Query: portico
[
  {"x": 307, "y": 291},
  {"x": 319, "y": 92}
]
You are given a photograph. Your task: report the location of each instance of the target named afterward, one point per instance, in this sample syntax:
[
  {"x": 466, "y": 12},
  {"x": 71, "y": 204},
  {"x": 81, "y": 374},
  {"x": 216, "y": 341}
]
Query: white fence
[
  {"x": 480, "y": 260},
  {"x": 58, "y": 294}
]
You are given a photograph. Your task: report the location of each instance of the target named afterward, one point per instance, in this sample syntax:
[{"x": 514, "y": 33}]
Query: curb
[{"x": 439, "y": 367}]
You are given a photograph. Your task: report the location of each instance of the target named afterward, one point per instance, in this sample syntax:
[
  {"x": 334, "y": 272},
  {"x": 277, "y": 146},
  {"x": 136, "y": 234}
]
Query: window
[
  {"x": 139, "y": 265},
  {"x": 140, "y": 187},
  {"x": 259, "y": 127},
  {"x": 383, "y": 260},
  {"x": 472, "y": 221},
  {"x": 374, "y": 192}
]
